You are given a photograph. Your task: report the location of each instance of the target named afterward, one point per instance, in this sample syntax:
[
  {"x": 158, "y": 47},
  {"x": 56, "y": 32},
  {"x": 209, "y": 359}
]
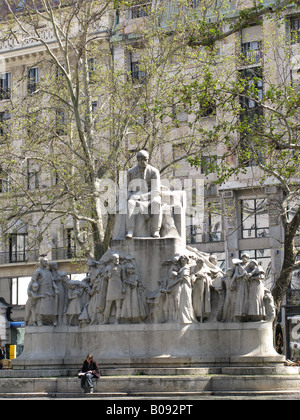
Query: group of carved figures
[
  {"x": 112, "y": 291},
  {"x": 244, "y": 296},
  {"x": 109, "y": 289}
]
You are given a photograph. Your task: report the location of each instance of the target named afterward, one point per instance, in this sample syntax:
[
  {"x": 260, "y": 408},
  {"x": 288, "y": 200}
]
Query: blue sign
[{"x": 16, "y": 324}]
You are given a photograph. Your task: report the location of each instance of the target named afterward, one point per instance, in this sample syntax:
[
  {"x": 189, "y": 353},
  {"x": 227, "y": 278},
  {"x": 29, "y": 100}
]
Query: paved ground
[{"x": 160, "y": 400}]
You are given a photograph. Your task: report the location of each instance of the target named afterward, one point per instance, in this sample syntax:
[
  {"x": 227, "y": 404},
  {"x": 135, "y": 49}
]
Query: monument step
[
  {"x": 159, "y": 384},
  {"x": 230, "y": 370}
]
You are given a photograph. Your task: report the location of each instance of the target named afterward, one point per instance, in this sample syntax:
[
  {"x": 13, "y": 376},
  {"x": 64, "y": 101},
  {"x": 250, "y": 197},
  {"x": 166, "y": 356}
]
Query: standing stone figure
[
  {"x": 256, "y": 309},
  {"x": 61, "y": 280},
  {"x": 201, "y": 291},
  {"x": 48, "y": 289},
  {"x": 170, "y": 293},
  {"x": 115, "y": 289},
  {"x": 269, "y": 306},
  {"x": 230, "y": 296},
  {"x": 133, "y": 308},
  {"x": 74, "y": 308},
  {"x": 144, "y": 195},
  {"x": 32, "y": 312},
  {"x": 240, "y": 282},
  {"x": 184, "y": 306},
  {"x": 94, "y": 275}
]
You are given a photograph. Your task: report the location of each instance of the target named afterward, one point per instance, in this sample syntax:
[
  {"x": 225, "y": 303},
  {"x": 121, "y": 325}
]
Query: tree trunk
[{"x": 285, "y": 276}]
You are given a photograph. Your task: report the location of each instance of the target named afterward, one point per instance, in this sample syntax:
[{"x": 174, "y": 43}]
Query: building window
[
  {"x": 255, "y": 218},
  {"x": 61, "y": 122},
  {"x": 4, "y": 182},
  {"x": 71, "y": 244},
  {"x": 295, "y": 30},
  {"x": 17, "y": 247},
  {"x": 5, "y": 86},
  {"x": 92, "y": 64},
  {"x": 251, "y": 115},
  {"x": 136, "y": 74},
  {"x": 19, "y": 290},
  {"x": 179, "y": 114},
  {"x": 207, "y": 109},
  {"x": 140, "y": 9},
  {"x": 295, "y": 78},
  {"x": 253, "y": 91},
  {"x": 208, "y": 164},
  {"x": 214, "y": 222},
  {"x": 33, "y": 181},
  {"x": 4, "y": 123},
  {"x": 33, "y": 79},
  {"x": 252, "y": 51},
  {"x": 20, "y": 5},
  {"x": 59, "y": 72}
]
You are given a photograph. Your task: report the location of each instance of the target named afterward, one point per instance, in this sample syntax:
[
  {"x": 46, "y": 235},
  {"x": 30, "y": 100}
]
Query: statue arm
[
  {"x": 240, "y": 272},
  {"x": 34, "y": 279},
  {"x": 56, "y": 289},
  {"x": 35, "y": 276},
  {"x": 155, "y": 184}
]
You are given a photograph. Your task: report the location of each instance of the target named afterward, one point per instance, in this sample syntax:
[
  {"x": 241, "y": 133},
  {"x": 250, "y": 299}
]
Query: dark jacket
[
  {"x": 93, "y": 366},
  {"x": 2, "y": 354}
]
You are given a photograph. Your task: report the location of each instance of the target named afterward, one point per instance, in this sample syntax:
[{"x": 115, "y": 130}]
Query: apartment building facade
[{"x": 236, "y": 216}]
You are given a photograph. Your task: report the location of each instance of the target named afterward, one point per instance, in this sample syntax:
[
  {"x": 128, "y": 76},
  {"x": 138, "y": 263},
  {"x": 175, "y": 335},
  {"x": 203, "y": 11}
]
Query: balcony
[
  {"x": 23, "y": 256},
  {"x": 19, "y": 256},
  {"x": 252, "y": 52}
]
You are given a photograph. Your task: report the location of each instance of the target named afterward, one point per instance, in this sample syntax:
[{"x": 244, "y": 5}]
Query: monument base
[{"x": 150, "y": 345}]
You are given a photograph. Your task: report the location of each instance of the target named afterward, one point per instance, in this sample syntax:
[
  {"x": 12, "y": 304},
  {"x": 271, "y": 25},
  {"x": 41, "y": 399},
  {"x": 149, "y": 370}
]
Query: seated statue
[
  {"x": 148, "y": 206},
  {"x": 144, "y": 195}
]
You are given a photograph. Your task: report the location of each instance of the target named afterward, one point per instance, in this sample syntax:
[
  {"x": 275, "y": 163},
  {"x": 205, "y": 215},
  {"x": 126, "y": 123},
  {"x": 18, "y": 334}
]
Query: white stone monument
[{"x": 151, "y": 300}]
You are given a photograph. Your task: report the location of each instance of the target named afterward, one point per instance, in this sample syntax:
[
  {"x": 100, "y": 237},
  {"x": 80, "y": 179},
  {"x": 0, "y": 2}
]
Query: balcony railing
[
  {"x": 19, "y": 256},
  {"x": 65, "y": 253},
  {"x": 138, "y": 76},
  {"x": 252, "y": 51}
]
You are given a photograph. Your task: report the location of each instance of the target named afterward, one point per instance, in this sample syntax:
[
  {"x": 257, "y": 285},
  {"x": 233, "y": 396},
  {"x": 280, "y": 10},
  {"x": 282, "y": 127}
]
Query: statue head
[
  {"x": 115, "y": 258},
  {"x": 200, "y": 262},
  {"x": 130, "y": 269},
  {"x": 43, "y": 260},
  {"x": 35, "y": 286},
  {"x": 183, "y": 260},
  {"x": 253, "y": 264},
  {"x": 213, "y": 259},
  {"x": 245, "y": 257},
  {"x": 142, "y": 158},
  {"x": 53, "y": 265}
]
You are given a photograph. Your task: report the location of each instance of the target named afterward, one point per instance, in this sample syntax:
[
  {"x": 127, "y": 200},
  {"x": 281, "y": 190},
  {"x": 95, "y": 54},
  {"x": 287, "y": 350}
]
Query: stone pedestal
[
  {"x": 150, "y": 345},
  {"x": 149, "y": 254}
]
